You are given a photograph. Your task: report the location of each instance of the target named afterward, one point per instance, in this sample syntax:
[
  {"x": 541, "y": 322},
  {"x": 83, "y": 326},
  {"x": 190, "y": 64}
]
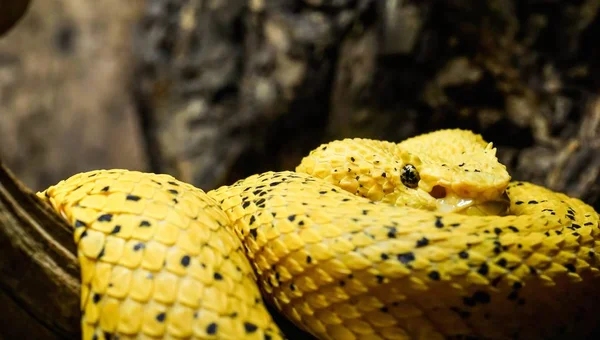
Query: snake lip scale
[{"x": 428, "y": 238}]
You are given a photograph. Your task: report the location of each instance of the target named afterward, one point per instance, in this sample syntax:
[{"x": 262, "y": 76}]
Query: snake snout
[{"x": 450, "y": 201}]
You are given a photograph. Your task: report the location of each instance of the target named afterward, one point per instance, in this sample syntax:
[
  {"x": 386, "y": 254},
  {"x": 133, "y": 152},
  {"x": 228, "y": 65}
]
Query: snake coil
[{"x": 424, "y": 239}]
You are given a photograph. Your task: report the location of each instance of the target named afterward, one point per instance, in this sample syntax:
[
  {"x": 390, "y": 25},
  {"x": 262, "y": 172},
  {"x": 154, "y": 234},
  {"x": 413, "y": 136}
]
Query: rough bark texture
[
  {"x": 65, "y": 103},
  {"x": 225, "y": 89},
  {"x": 39, "y": 272},
  {"x": 231, "y": 88}
]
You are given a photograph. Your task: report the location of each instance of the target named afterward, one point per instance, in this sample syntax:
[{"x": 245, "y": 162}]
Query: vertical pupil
[{"x": 410, "y": 176}]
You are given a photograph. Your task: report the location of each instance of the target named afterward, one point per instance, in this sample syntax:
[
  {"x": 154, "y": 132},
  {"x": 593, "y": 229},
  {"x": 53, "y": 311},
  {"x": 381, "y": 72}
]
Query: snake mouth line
[{"x": 448, "y": 201}]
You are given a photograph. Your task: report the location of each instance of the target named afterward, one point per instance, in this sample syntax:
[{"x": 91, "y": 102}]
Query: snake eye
[{"x": 410, "y": 176}]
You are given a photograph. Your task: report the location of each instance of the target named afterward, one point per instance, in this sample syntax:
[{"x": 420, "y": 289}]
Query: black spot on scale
[
  {"x": 105, "y": 218},
  {"x": 570, "y": 267},
  {"x": 502, "y": 262},
  {"x": 513, "y": 229},
  {"x": 588, "y": 224},
  {"x": 96, "y": 297},
  {"x": 406, "y": 258},
  {"x": 481, "y": 297},
  {"x": 250, "y": 327},
  {"x": 260, "y": 203},
  {"x": 463, "y": 255},
  {"x": 496, "y": 281},
  {"x": 469, "y": 301},
  {"x": 497, "y": 231},
  {"x": 133, "y": 198},
  {"x": 185, "y": 260},
  {"x": 79, "y": 224},
  {"x": 173, "y": 191},
  {"x": 392, "y": 232},
  {"x": 422, "y": 242},
  {"x": 253, "y": 233},
  {"x": 160, "y": 317},
  {"x": 245, "y": 204},
  {"x": 308, "y": 259},
  {"x": 519, "y": 202},
  {"x": 105, "y": 189},
  {"x": 434, "y": 275},
  {"x": 379, "y": 278},
  {"x": 173, "y": 183},
  {"x": 102, "y": 252},
  {"x": 252, "y": 219},
  {"x": 116, "y": 229},
  {"x": 145, "y": 224},
  {"x": 438, "y": 222},
  {"x": 218, "y": 276},
  {"x": 384, "y": 256},
  {"x": 532, "y": 202},
  {"x": 211, "y": 329},
  {"x": 461, "y": 313},
  {"x": 483, "y": 269},
  {"x": 291, "y": 218}
]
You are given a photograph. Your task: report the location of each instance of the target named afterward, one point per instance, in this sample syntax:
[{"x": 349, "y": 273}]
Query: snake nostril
[{"x": 438, "y": 191}]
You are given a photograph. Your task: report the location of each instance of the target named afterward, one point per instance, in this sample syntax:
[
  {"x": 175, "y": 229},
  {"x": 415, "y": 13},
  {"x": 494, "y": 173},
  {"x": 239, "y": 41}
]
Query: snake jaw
[
  {"x": 453, "y": 203},
  {"x": 448, "y": 201}
]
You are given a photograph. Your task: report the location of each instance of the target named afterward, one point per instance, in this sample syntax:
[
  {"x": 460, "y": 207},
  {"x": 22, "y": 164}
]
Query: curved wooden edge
[
  {"x": 11, "y": 11},
  {"x": 39, "y": 272}
]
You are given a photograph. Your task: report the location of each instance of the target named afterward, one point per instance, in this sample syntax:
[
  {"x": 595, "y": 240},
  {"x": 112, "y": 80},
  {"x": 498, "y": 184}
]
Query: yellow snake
[{"x": 365, "y": 240}]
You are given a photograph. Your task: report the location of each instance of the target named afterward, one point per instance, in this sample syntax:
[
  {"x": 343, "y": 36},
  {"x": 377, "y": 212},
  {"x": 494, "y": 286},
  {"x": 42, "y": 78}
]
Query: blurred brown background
[{"x": 211, "y": 91}]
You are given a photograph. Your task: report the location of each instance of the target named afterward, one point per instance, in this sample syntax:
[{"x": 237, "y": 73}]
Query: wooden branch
[
  {"x": 39, "y": 275},
  {"x": 11, "y": 12}
]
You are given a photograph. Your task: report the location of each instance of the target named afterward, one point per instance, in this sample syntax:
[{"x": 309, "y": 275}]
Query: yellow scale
[{"x": 366, "y": 240}]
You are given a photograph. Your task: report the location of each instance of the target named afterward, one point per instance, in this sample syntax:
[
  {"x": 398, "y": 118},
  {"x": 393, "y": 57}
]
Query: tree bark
[
  {"x": 239, "y": 87},
  {"x": 39, "y": 272}
]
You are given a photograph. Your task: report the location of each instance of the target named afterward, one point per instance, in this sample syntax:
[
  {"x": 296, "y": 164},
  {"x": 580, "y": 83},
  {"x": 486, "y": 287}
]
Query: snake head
[
  {"x": 458, "y": 172},
  {"x": 445, "y": 171}
]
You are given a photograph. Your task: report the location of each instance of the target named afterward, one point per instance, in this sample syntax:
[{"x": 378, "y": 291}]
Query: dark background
[{"x": 212, "y": 91}]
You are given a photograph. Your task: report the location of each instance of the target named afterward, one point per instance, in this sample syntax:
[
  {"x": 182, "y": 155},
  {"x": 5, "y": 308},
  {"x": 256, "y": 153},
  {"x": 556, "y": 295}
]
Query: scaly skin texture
[
  {"x": 339, "y": 265},
  {"x": 158, "y": 260}
]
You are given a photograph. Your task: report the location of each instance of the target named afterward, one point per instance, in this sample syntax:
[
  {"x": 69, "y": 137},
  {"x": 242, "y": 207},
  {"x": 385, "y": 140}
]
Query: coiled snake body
[{"x": 365, "y": 240}]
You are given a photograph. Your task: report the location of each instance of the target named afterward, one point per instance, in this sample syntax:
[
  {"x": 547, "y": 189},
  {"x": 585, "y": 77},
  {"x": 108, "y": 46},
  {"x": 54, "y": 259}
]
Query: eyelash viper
[{"x": 365, "y": 240}]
